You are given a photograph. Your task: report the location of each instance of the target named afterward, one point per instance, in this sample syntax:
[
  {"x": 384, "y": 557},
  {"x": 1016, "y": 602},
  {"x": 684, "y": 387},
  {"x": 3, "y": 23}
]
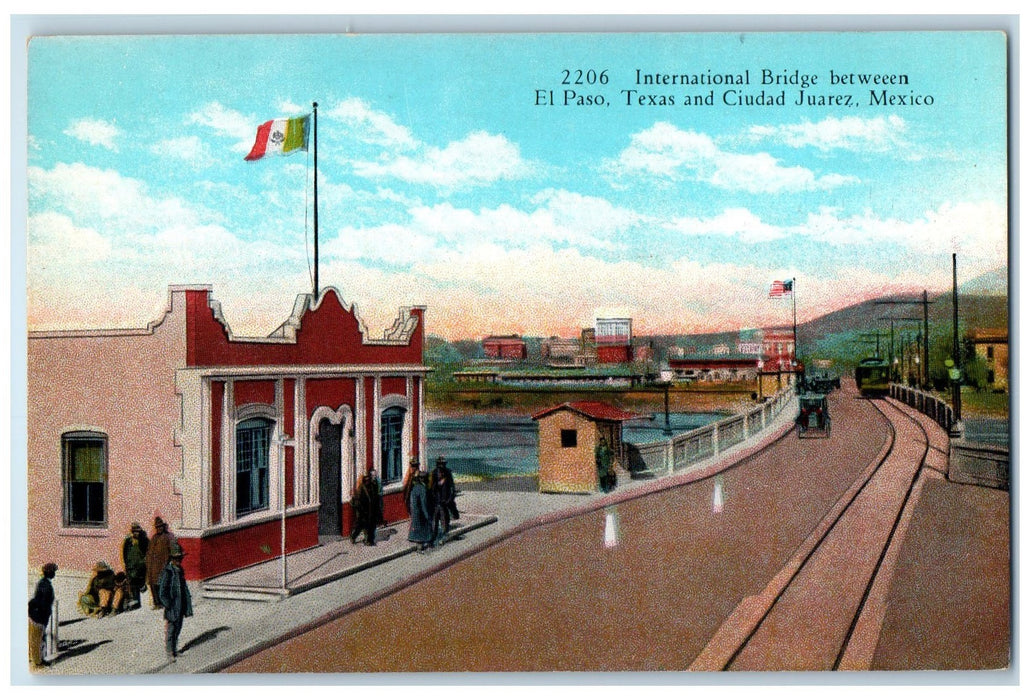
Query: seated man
[{"x": 98, "y": 597}]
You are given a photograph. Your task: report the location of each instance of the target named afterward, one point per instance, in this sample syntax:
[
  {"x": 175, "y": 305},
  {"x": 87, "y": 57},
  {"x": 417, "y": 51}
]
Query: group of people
[
  {"x": 430, "y": 501},
  {"x": 153, "y": 562},
  {"x": 143, "y": 560}
]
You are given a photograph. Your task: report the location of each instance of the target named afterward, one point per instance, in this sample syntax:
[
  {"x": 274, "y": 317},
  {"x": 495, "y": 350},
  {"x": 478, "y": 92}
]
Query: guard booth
[{"x": 571, "y": 436}]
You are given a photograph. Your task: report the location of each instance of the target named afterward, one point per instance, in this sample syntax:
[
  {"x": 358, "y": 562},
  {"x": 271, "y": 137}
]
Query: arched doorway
[{"x": 330, "y": 492}]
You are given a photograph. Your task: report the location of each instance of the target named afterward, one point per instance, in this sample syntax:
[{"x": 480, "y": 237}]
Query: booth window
[
  {"x": 568, "y": 438},
  {"x": 253, "y": 442},
  {"x": 84, "y": 473}
]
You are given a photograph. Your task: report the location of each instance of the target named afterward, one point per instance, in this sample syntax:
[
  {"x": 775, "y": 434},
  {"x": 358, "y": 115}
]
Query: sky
[{"x": 448, "y": 179}]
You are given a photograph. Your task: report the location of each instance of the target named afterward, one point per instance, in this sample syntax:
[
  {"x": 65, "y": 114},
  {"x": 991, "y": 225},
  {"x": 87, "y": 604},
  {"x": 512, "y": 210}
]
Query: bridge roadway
[{"x": 783, "y": 576}]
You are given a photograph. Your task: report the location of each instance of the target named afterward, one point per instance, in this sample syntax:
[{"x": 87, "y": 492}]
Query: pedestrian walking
[
  {"x": 409, "y": 479},
  {"x": 134, "y": 561},
  {"x": 367, "y": 506},
  {"x": 174, "y": 595},
  {"x": 442, "y": 486},
  {"x": 420, "y": 529},
  {"x": 157, "y": 557},
  {"x": 40, "y": 605}
]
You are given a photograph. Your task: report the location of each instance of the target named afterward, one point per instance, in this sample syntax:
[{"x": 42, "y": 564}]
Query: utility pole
[
  {"x": 924, "y": 381},
  {"x": 955, "y": 372},
  {"x": 892, "y": 319}
]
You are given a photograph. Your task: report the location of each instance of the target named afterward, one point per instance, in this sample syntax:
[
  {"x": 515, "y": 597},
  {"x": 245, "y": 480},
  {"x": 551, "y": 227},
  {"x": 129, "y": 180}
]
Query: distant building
[
  {"x": 643, "y": 353},
  {"x": 723, "y": 367},
  {"x": 507, "y": 347},
  {"x": 614, "y": 340},
  {"x": 992, "y": 344},
  {"x": 778, "y": 349},
  {"x": 217, "y": 434},
  {"x": 560, "y": 350}
]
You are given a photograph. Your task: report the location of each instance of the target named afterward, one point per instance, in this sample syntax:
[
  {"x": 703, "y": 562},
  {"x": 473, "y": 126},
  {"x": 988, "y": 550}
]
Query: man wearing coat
[
  {"x": 420, "y": 529},
  {"x": 157, "y": 557},
  {"x": 134, "y": 560},
  {"x": 39, "y": 615},
  {"x": 442, "y": 488},
  {"x": 174, "y": 595},
  {"x": 368, "y": 511}
]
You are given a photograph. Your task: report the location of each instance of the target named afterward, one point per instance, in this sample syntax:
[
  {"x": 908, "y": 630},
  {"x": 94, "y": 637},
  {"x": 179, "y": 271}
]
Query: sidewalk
[{"x": 329, "y": 581}]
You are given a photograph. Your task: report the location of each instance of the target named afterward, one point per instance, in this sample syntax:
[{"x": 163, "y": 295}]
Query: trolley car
[
  {"x": 873, "y": 377},
  {"x": 813, "y": 416}
]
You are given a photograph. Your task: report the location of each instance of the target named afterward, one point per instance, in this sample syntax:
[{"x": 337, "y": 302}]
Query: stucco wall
[
  {"x": 567, "y": 469},
  {"x": 120, "y": 384}
]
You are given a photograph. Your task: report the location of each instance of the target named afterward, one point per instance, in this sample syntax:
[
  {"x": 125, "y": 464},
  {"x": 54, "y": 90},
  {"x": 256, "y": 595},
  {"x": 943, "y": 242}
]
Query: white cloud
[
  {"x": 92, "y": 196},
  {"x": 876, "y": 134},
  {"x": 95, "y": 132},
  {"x": 558, "y": 216},
  {"x": 735, "y": 221},
  {"x": 974, "y": 230},
  {"x": 665, "y": 151},
  {"x": 190, "y": 149},
  {"x": 54, "y": 239},
  {"x": 477, "y": 160},
  {"x": 372, "y": 126},
  {"x": 229, "y": 123}
]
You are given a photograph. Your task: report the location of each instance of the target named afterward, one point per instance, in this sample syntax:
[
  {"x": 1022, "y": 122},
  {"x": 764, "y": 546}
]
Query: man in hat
[
  {"x": 367, "y": 505},
  {"x": 442, "y": 488},
  {"x": 174, "y": 595},
  {"x": 39, "y": 615},
  {"x": 157, "y": 557},
  {"x": 97, "y": 598},
  {"x": 134, "y": 560}
]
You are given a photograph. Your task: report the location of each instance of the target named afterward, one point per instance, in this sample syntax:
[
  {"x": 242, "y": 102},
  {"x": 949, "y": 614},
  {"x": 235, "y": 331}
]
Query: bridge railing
[
  {"x": 925, "y": 402},
  {"x": 688, "y": 449}
]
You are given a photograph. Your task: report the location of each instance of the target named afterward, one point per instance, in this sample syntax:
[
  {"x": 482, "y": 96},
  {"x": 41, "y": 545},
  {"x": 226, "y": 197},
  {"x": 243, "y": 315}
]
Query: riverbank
[{"x": 460, "y": 400}]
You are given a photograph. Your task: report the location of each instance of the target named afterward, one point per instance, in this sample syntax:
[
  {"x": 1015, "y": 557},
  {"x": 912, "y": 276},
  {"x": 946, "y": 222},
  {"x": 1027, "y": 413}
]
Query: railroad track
[{"x": 814, "y": 615}]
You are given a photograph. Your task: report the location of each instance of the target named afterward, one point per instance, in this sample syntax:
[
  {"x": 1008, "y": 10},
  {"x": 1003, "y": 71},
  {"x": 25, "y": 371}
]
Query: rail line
[{"x": 792, "y": 615}]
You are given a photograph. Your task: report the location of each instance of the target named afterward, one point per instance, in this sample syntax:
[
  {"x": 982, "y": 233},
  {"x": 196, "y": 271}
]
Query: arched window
[
  {"x": 392, "y": 439},
  {"x": 253, "y": 444},
  {"x": 84, "y": 476}
]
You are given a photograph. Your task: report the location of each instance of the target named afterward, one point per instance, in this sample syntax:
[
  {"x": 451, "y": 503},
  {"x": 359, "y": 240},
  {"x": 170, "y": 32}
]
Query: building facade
[
  {"x": 778, "y": 349},
  {"x": 223, "y": 437},
  {"x": 507, "y": 347},
  {"x": 992, "y": 345}
]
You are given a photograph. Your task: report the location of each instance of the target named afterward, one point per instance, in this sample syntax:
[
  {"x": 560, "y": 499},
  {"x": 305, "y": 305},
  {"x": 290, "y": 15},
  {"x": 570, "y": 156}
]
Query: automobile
[{"x": 813, "y": 415}]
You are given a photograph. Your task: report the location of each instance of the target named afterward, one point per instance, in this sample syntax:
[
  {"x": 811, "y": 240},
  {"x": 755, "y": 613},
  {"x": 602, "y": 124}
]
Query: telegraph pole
[{"x": 924, "y": 379}]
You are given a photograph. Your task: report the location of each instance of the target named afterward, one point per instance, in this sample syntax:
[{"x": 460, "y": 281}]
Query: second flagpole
[{"x": 314, "y": 106}]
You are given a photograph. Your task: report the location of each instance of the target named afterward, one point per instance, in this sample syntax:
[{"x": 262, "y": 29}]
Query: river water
[{"x": 494, "y": 445}]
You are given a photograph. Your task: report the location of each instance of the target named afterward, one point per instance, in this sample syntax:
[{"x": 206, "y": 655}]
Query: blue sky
[{"x": 442, "y": 183}]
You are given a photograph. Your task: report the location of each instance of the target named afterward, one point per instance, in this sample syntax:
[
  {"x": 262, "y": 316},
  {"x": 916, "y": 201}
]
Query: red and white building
[
  {"x": 614, "y": 339},
  {"x": 216, "y": 433},
  {"x": 778, "y": 349}
]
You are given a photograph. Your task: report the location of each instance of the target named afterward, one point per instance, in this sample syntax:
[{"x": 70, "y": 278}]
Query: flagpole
[{"x": 315, "y": 110}]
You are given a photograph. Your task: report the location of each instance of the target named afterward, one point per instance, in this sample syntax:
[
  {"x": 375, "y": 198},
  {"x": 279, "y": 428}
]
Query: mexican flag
[{"x": 281, "y": 137}]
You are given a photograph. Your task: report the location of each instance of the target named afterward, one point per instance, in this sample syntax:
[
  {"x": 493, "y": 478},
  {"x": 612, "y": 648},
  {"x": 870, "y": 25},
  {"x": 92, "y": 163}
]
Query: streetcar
[
  {"x": 873, "y": 377},
  {"x": 813, "y": 415}
]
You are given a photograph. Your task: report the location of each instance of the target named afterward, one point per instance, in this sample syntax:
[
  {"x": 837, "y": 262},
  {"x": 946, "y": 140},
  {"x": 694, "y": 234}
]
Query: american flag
[{"x": 781, "y": 288}]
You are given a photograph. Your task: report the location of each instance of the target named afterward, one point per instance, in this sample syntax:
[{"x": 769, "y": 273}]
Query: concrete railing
[
  {"x": 979, "y": 463},
  {"x": 968, "y": 462},
  {"x": 926, "y": 403},
  {"x": 689, "y": 449}
]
